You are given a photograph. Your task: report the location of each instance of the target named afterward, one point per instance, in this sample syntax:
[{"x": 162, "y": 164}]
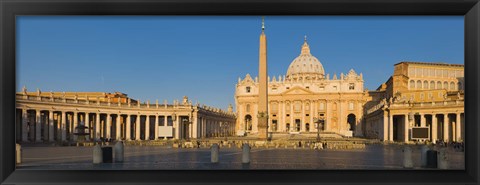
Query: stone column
[
  {"x": 422, "y": 120},
  {"x": 97, "y": 127},
  {"x": 302, "y": 123},
  {"x": 445, "y": 127},
  {"x": 118, "y": 127},
  {"x": 312, "y": 114},
  {"x": 155, "y": 130},
  {"x": 50, "y": 126},
  {"x": 25, "y": 125},
  {"x": 434, "y": 128},
  {"x": 406, "y": 127},
  {"x": 194, "y": 133},
  {"x": 283, "y": 122},
  {"x": 390, "y": 127},
  {"x": 292, "y": 123},
  {"x": 147, "y": 128},
  {"x": 458, "y": 135},
  {"x": 176, "y": 125},
  {"x": 38, "y": 126},
  {"x": 87, "y": 124},
  {"x": 109, "y": 126},
  {"x": 128, "y": 132},
  {"x": 75, "y": 124},
  {"x": 190, "y": 129},
  {"x": 385, "y": 125},
  {"x": 137, "y": 128},
  {"x": 64, "y": 126}
]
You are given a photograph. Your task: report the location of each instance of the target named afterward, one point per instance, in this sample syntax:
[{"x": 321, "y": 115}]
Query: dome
[{"x": 306, "y": 65}]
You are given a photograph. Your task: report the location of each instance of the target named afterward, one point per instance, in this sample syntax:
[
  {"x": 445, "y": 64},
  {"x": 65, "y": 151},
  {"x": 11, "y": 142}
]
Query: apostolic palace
[{"x": 304, "y": 101}]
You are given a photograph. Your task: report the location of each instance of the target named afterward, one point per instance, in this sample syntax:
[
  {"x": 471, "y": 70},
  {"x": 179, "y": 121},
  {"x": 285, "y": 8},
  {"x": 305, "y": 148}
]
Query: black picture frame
[{"x": 11, "y": 8}]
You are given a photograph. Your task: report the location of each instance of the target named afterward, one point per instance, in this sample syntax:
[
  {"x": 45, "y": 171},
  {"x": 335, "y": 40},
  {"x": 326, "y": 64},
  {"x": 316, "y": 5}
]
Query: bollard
[
  {"x": 246, "y": 153},
  {"x": 424, "y": 155},
  {"x": 214, "y": 153},
  {"x": 97, "y": 154},
  {"x": 407, "y": 157},
  {"x": 442, "y": 159},
  {"x": 119, "y": 151},
  {"x": 19, "y": 153},
  {"x": 431, "y": 159}
]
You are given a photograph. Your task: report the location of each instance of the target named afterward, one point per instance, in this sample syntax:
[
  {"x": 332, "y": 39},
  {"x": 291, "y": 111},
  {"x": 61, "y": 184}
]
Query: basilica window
[
  {"x": 335, "y": 88},
  {"x": 452, "y": 86},
  {"x": 425, "y": 84},
  {"x": 298, "y": 106},
  {"x": 351, "y": 86},
  {"x": 422, "y": 96},
  {"x": 247, "y": 89},
  {"x": 445, "y": 85},
  {"x": 350, "y": 106},
  {"x": 248, "y": 108},
  {"x": 432, "y": 85},
  {"x": 439, "y": 85},
  {"x": 322, "y": 106},
  {"x": 307, "y": 107},
  {"x": 412, "y": 84},
  {"x": 419, "y": 84}
]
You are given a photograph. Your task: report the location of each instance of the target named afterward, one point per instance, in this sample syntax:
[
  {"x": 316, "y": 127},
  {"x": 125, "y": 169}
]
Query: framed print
[{"x": 187, "y": 92}]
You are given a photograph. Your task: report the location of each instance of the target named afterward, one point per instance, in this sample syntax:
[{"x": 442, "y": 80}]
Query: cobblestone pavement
[{"x": 373, "y": 157}]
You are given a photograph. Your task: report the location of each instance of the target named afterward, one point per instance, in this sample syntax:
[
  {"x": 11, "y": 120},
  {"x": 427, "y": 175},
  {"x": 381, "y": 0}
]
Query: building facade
[
  {"x": 50, "y": 117},
  {"x": 418, "y": 94},
  {"x": 303, "y": 96}
]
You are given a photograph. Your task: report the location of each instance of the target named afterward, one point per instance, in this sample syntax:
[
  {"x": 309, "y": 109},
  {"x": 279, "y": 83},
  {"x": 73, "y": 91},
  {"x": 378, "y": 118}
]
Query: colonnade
[
  {"x": 36, "y": 125},
  {"x": 447, "y": 127}
]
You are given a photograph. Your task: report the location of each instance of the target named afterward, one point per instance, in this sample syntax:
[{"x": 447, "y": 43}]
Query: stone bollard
[
  {"x": 97, "y": 154},
  {"x": 119, "y": 151},
  {"x": 246, "y": 153},
  {"x": 19, "y": 153},
  {"x": 214, "y": 153},
  {"x": 407, "y": 157},
  {"x": 442, "y": 159},
  {"x": 424, "y": 155}
]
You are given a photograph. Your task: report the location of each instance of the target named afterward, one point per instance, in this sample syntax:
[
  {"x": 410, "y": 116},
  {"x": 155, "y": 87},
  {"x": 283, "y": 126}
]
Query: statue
[{"x": 24, "y": 90}]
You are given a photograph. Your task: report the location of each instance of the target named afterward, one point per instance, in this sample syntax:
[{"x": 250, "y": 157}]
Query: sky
[{"x": 202, "y": 57}]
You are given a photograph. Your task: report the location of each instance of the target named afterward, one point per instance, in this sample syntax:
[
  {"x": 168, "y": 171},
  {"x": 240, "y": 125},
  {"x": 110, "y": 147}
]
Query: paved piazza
[{"x": 165, "y": 157}]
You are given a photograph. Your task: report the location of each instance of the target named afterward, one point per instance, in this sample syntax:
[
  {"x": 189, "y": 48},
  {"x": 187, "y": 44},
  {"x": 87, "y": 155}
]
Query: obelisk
[{"x": 262, "y": 90}]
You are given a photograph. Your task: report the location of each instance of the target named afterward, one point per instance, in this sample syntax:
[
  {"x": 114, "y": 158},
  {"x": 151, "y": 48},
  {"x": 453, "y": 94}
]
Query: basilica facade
[
  {"x": 304, "y": 100},
  {"x": 424, "y": 95}
]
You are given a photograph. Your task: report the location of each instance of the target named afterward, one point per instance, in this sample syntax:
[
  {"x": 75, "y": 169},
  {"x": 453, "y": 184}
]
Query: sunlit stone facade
[
  {"x": 53, "y": 117},
  {"x": 296, "y": 100},
  {"x": 418, "y": 94}
]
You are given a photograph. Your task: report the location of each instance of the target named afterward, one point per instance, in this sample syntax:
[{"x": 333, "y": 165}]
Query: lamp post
[
  {"x": 319, "y": 122},
  {"x": 223, "y": 126}
]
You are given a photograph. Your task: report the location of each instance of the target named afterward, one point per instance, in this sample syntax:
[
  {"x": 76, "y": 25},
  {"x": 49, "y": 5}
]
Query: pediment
[{"x": 297, "y": 91}]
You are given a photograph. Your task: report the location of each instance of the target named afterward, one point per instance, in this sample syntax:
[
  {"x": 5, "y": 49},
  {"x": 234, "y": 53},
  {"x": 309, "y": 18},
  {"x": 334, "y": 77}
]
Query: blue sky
[{"x": 202, "y": 57}]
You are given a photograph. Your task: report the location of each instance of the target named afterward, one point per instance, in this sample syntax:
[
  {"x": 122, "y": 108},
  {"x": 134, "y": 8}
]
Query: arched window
[
  {"x": 419, "y": 84},
  {"x": 412, "y": 84},
  {"x": 439, "y": 85},
  {"x": 452, "y": 86},
  {"x": 248, "y": 108},
  {"x": 445, "y": 85},
  {"x": 425, "y": 84},
  {"x": 432, "y": 85}
]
